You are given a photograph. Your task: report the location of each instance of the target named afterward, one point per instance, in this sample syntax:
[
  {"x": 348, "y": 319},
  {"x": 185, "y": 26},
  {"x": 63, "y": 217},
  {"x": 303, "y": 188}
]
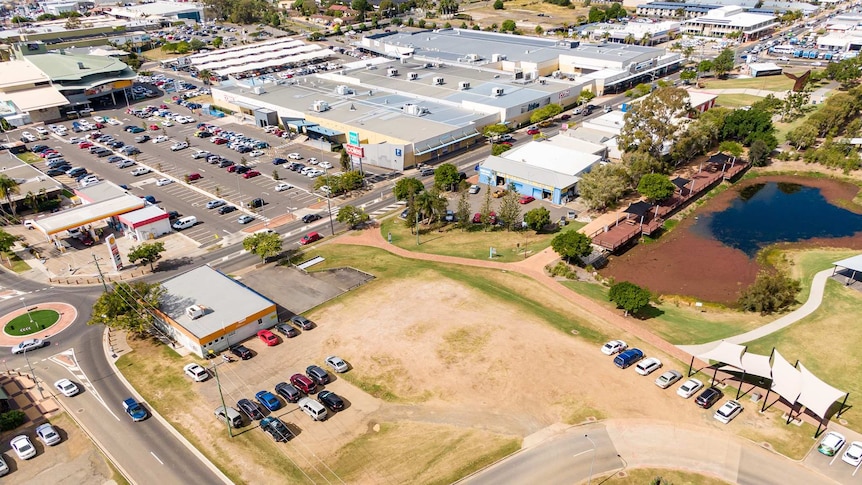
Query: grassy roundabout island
[{"x": 31, "y": 322}]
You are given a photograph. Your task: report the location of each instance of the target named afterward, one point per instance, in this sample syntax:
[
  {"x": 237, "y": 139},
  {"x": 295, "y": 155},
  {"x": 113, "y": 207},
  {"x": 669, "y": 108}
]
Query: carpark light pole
[
  {"x": 33, "y": 373},
  {"x": 24, "y": 306}
]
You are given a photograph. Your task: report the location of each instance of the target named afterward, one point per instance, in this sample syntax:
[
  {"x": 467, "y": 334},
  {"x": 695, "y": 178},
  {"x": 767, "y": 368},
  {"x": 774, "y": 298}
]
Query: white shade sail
[
  {"x": 817, "y": 395},
  {"x": 786, "y": 379}
]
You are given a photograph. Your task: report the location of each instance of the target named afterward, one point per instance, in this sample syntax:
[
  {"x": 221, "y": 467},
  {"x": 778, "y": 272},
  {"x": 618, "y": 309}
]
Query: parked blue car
[
  {"x": 628, "y": 357},
  {"x": 268, "y": 400}
]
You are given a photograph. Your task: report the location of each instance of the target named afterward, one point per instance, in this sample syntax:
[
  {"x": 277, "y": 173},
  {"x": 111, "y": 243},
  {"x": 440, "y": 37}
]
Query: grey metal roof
[
  {"x": 531, "y": 173},
  {"x": 225, "y": 300}
]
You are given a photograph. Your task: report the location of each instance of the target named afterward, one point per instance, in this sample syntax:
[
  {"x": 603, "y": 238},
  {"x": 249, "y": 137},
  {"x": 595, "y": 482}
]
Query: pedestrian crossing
[{"x": 389, "y": 208}]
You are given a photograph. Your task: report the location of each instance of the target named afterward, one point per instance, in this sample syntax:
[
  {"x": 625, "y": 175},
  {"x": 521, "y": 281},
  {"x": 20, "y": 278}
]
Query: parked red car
[
  {"x": 526, "y": 199},
  {"x": 303, "y": 383},
  {"x": 492, "y": 216},
  {"x": 194, "y": 176},
  {"x": 219, "y": 141},
  {"x": 85, "y": 144},
  {"x": 250, "y": 174},
  {"x": 310, "y": 238},
  {"x": 95, "y": 135},
  {"x": 154, "y": 127},
  {"x": 267, "y": 337}
]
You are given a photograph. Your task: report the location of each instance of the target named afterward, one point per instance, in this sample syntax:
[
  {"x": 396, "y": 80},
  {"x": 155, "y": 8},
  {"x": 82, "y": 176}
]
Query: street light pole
[
  {"x": 593, "y": 462},
  {"x": 24, "y": 306},
  {"x": 33, "y": 373}
]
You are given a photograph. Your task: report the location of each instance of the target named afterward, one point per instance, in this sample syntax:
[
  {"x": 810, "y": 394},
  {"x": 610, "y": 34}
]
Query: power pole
[
  {"x": 223, "y": 405},
  {"x": 101, "y": 276}
]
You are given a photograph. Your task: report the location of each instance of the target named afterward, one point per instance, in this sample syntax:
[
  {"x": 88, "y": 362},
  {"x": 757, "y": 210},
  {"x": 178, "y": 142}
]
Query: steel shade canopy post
[
  {"x": 741, "y": 382},
  {"x": 690, "y": 365},
  {"x": 843, "y": 405}
]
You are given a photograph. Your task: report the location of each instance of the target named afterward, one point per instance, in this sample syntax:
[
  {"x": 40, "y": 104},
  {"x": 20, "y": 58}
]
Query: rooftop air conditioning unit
[
  {"x": 194, "y": 312},
  {"x": 392, "y": 72},
  {"x": 413, "y": 76},
  {"x": 463, "y": 85},
  {"x": 498, "y": 57},
  {"x": 497, "y": 91},
  {"x": 320, "y": 106},
  {"x": 257, "y": 90},
  {"x": 413, "y": 109},
  {"x": 438, "y": 81},
  {"x": 473, "y": 57},
  {"x": 343, "y": 90}
]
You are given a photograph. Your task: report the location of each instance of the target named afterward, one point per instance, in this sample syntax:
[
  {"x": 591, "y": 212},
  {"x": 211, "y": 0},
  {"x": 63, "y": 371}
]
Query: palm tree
[
  {"x": 630, "y": 39},
  {"x": 205, "y": 75},
  {"x": 8, "y": 188},
  {"x": 431, "y": 203}
]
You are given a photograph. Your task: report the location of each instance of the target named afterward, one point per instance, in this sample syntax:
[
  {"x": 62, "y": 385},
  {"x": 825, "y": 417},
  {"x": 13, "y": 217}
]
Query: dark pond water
[{"x": 773, "y": 212}]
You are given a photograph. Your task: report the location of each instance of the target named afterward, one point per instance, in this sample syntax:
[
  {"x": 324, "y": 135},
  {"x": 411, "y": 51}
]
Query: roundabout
[{"x": 38, "y": 321}]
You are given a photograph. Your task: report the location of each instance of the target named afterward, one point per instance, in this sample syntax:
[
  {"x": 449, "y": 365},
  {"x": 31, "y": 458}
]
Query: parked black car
[
  {"x": 278, "y": 161},
  {"x": 241, "y": 351},
  {"x": 317, "y": 374},
  {"x": 331, "y": 400},
  {"x": 288, "y": 392},
  {"x": 708, "y": 397},
  {"x": 275, "y": 428},
  {"x": 250, "y": 409}
]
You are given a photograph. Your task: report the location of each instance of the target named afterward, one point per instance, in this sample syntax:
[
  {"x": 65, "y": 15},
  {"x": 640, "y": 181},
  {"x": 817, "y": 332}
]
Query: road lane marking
[
  {"x": 581, "y": 453},
  {"x": 157, "y": 458}
]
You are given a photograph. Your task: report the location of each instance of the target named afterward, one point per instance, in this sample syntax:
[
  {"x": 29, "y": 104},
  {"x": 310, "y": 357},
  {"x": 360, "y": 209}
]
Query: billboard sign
[
  {"x": 353, "y": 138},
  {"x": 116, "y": 261},
  {"x": 355, "y": 151}
]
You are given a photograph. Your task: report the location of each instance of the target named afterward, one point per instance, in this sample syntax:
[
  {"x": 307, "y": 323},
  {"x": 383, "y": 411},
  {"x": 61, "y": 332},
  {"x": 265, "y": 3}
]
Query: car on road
[
  {"x": 310, "y": 238},
  {"x": 140, "y": 171},
  {"x": 48, "y": 435},
  {"x": 648, "y": 366},
  {"x": 67, "y": 387},
  {"x": 614, "y": 347},
  {"x": 250, "y": 409},
  {"x": 134, "y": 409},
  {"x": 226, "y": 209},
  {"x": 267, "y": 337},
  {"x": 310, "y": 218},
  {"x": 533, "y": 131},
  {"x": 23, "y": 447},
  {"x": 287, "y": 330},
  {"x": 196, "y": 372},
  {"x": 160, "y": 139},
  {"x": 281, "y": 187},
  {"x": 294, "y": 156},
  {"x": 303, "y": 383},
  {"x": 241, "y": 351},
  {"x": 526, "y": 199},
  {"x": 337, "y": 364},
  {"x": 668, "y": 379},
  {"x": 267, "y": 400},
  {"x": 853, "y": 455},
  {"x": 288, "y": 391},
  {"x": 179, "y": 146},
  {"x": 331, "y": 400},
  {"x": 728, "y": 411},
  {"x": 708, "y": 397},
  {"x": 275, "y": 428},
  {"x": 163, "y": 181},
  {"x": 28, "y": 345},
  {"x": 689, "y": 388},
  {"x": 245, "y": 219},
  {"x": 317, "y": 374},
  {"x": 215, "y": 203},
  {"x": 831, "y": 443},
  {"x": 474, "y": 189},
  {"x": 302, "y": 322}
]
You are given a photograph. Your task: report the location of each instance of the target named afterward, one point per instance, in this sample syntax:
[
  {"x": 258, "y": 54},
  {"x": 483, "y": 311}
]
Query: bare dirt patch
[{"x": 686, "y": 263}]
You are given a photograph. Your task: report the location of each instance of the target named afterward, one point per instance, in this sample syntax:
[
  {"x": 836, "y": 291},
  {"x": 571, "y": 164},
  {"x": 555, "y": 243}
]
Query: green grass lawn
[
  {"x": 14, "y": 262},
  {"x": 826, "y": 342},
  {"x": 31, "y": 322},
  {"x": 29, "y": 157},
  {"x": 767, "y": 83},
  {"x": 736, "y": 100},
  {"x": 680, "y": 323},
  {"x": 472, "y": 243}
]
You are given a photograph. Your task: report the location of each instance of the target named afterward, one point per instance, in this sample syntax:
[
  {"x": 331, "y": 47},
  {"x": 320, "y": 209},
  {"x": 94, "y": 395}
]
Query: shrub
[
  {"x": 12, "y": 419},
  {"x": 770, "y": 292}
]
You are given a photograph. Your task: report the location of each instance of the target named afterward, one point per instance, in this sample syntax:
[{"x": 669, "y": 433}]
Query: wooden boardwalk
[{"x": 630, "y": 226}]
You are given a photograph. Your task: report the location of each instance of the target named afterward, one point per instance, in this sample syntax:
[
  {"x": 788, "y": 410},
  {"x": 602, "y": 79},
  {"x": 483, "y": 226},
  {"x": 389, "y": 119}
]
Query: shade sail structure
[
  {"x": 639, "y": 208},
  {"x": 786, "y": 379},
  {"x": 726, "y": 353},
  {"x": 853, "y": 263},
  {"x": 757, "y": 365},
  {"x": 719, "y": 158},
  {"x": 680, "y": 182},
  {"x": 817, "y": 395}
]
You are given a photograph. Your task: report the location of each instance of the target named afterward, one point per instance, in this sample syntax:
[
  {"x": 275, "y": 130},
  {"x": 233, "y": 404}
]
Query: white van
[
  {"x": 312, "y": 408},
  {"x": 185, "y": 223}
]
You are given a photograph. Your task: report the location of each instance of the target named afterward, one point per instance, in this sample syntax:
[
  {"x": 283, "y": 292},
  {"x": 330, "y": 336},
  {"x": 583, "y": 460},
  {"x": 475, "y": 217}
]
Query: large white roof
[{"x": 553, "y": 157}]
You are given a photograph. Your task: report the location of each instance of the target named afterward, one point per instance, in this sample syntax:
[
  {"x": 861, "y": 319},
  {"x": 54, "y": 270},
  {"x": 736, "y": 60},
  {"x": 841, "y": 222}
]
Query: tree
[
  {"x": 447, "y": 175},
  {"x": 217, "y": 41},
  {"x": 387, "y": 8},
  {"x": 12, "y": 419},
  {"x": 731, "y": 148},
  {"x": 204, "y": 75},
  {"x": 723, "y": 64},
  {"x": 7, "y": 241},
  {"x": 462, "y": 214},
  {"x": 498, "y": 148},
  {"x": 758, "y": 154},
  {"x": 545, "y": 112},
  {"x": 638, "y": 163},
  {"x": 745, "y": 126},
  {"x": 73, "y": 23},
  {"x": 656, "y": 187},
  {"x": 510, "y": 210},
  {"x": 8, "y": 188},
  {"x": 704, "y": 66},
  {"x": 572, "y": 245},
  {"x": 352, "y": 216},
  {"x": 629, "y": 296},
  {"x": 603, "y": 185},
  {"x": 494, "y": 130},
  {"x": 196, "y": 45},
  {"x": 263, "y": 244},
  {"x": 688, "y": 75},
  {"x": 508, "y": 26},
  {"x": 654, "y": 120},
  {"x": 361, "y": 6},
  {"x": 770, "y": 292},
  {"x": 128, "y": 307},
  {"x": 801, "y": 137},
  {"x": 485, "y": 208},
  {"x": 793, "y": 106},
  {"x": 537, "y": 218},
  {"x": 406, "y": 188},
  {"x": 431, "y": 204},
  {"x": 147, "y": 253},
  {"x": 498, "y": 5},
  {"x": 344, "y": 161}
]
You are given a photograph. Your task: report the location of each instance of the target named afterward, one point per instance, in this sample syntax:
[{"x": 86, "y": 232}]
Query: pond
[{"x": 773, "y": 212}]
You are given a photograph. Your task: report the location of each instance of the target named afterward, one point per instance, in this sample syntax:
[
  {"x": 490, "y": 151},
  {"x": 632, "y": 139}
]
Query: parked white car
[
  {"x": 48, "y": 435},
  {"x": 23, "y": 447},
  {"x": 728, "y": 411},
  {"x": 256, "y": 153},
  {"x": 648, "y": 366},
  {"x": 667, "y": 379},
  {"x": 283, "y": 186},
  {"x": 294, "y": 156},
  {"x": 140, "y": 171},
  {"x": 325, "y": 165},
  {"x": 853, "y": 455},
  {"x": 160, "y": 139},
  {"x": 337, "y": 364},
  {"x": 196, "y": 372},
  {"x": 689, "y": 388},
  {"x": 163, "y": 181},
  {"x": 613, "y": 347}
]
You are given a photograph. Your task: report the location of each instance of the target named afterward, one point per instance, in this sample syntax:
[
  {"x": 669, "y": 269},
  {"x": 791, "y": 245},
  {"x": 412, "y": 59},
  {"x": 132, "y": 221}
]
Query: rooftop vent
[
  {"x": 320, "y": 106},
  {"x": 195, "y": 311},
  {"x": 413, "y": 76},
  {"x": 438, "y": 81},
  {"x": 81, "y": 65},
  {"x": 497, "y": 92}
]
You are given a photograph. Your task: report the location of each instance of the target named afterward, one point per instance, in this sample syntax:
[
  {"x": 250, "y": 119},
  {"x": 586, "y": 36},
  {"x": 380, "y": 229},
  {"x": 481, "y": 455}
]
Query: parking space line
[
  {"x": 835, "y": 457},
  {"x": 857, "y": 469}
]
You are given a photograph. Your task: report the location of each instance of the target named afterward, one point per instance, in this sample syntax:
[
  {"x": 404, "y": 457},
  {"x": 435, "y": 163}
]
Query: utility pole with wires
[
  {"x": 101, "y": 276},
  {"x": 221, "y": 395}
]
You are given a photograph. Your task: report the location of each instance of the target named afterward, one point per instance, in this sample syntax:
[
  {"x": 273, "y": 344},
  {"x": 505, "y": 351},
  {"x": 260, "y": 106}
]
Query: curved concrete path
[{"x": 815, "y": 298}]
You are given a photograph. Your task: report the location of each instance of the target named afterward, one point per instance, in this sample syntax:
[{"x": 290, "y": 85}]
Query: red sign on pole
[{"x": 355, "y": 151}]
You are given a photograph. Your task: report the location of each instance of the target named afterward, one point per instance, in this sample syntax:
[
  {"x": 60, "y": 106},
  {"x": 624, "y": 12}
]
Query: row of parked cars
[
  {"x": 833, "y": 442},
  {"x": 626, "y": 357}
]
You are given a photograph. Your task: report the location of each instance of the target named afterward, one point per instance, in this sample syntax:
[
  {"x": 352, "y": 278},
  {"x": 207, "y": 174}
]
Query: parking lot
[{"x": 833, "y": 466}]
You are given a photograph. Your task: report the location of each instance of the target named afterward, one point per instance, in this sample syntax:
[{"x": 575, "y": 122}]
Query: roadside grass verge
[
  {"x": 15, "y": 263},
  {"x": 643, "y": 476},
  {"x": 386, "y": 447},
  {"x": 472, "y": 242},
  {"x": 513, "y": 288},
  {"x": 817, "y": 338},
  {"x": 677, "y": 320},
  {"x": 155, "y": 371}
]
